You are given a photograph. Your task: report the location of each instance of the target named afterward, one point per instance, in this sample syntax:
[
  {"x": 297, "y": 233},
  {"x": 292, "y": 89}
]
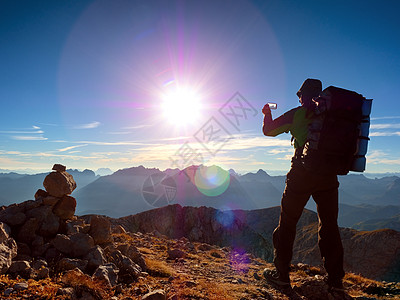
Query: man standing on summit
[{"x": 301, "y": 183}]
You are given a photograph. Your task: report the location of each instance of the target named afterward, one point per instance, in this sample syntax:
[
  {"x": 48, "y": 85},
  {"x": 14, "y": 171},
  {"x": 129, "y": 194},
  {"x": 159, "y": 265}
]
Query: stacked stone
[
  {"x": 29, "y": 227},
  {"x": 43, "y": 234}
]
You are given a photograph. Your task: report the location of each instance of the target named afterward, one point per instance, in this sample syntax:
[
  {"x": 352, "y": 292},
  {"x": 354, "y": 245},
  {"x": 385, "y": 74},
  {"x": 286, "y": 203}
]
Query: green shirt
[{"x": 295, "y": 121}]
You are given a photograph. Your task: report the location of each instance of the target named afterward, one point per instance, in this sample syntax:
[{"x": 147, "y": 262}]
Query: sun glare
[{"x": 181, "y": 106}]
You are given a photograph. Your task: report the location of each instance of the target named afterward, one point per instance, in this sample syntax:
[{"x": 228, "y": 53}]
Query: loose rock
[
  {"x": 95, "y": 257},
  {"x": 58, "y": 184},
  {"x": 21, "y": 286},
  {"x": 66, "y": 264},
  {"x": 41, "y": 194},
  {"x": 81, "y": 244},
  {"x": 65, "y": 208},
  {"x": 155, "y": 295},
  {"x": 21, "y": 268},
  {"x": 8, "y": 250},
  {"x": 5, "y": 232},
  {"x": 59, "y": 168},
  {"x": 176, "y": 253},
  {"x": 100, "y": 230},
  {"x": 63, "y": 244},
  {"x": 108, "y": 273}
]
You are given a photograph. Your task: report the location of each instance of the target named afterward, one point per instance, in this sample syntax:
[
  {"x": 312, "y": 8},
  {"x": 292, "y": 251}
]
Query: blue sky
[{"x": 84, "y": 83}]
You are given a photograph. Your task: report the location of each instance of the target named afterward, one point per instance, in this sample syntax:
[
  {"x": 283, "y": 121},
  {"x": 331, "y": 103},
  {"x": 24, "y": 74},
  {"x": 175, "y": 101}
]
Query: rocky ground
[
  {"x": 179, "y": 269},
  {"x": 46, "y": 252}
]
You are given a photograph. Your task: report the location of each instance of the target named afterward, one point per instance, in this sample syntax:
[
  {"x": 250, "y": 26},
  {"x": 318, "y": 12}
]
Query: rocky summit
[{"x": 46, "y": 252}]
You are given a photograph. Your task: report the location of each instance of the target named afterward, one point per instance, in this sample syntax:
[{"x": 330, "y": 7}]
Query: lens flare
[
  {"x": 225, "y": 217},
  {"x": 211, "y": 181}
]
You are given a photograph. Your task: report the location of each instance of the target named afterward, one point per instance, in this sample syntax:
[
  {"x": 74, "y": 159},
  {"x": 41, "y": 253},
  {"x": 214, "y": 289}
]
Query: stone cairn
[{"x": 42, "y": 237}]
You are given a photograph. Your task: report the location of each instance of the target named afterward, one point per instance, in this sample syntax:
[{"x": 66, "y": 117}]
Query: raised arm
[{"x": 279, "y": 125}]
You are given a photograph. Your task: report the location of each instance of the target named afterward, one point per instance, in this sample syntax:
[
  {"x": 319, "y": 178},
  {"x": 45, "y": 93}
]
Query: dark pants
[{"x": 300, "y": 185}]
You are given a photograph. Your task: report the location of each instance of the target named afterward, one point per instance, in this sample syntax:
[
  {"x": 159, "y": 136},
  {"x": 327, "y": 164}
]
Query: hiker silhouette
[{"x": 301, "y": 183}]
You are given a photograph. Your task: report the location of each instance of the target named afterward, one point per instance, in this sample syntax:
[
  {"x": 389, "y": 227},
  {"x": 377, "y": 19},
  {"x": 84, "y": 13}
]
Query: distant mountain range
[
  {"x": 16, "y": 188},
  {"x": 364, "y": 202}
]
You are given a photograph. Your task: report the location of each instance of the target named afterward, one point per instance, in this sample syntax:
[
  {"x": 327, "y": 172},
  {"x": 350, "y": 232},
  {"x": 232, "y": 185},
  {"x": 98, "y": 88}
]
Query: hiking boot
[
  {"x": 273, "y": 276},
  {"x": 335, "y": 285}
]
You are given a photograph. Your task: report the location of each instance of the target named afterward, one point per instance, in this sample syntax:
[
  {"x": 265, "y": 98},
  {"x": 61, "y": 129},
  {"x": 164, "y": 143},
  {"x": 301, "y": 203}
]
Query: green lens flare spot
[{"x": 211, "y": 181}]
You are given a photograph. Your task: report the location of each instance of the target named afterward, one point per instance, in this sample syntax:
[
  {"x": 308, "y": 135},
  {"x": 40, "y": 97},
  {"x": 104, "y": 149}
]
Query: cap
[{"x": 310, "y": 86}]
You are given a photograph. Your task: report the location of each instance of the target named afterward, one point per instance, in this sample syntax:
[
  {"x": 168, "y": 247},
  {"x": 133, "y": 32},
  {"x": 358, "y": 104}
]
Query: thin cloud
[
  {"x": 21, "y": 132},
  {"x": 119, "y": 132},
  {"x": 35, "y": 127},
  {"x": 378, "y": 157},
  {"x": 397, "y": 133},
  {"x": 385, "y": 126},
  {"x": 28, "y": 138},
  {"x": 110, "y": 143},
  {"x": 71, "y": 147},
  {"x": 386, "y": 118},
  {"x": 280, "y": 151},
  {"x": 137, "y": 127},
  {"x": 91, "y": 125}
]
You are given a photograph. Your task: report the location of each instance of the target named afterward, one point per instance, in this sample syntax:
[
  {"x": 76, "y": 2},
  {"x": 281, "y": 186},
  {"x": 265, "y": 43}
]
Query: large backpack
[{"x": 338, "y": 135}]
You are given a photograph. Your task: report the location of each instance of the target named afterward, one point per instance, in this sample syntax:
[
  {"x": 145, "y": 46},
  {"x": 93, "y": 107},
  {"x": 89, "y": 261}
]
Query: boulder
[
  {"x": 52, "y": 254},
  {"x": 118, "y": 229},
  {"x": 41, "y": 194},
  {"x": 40, "y": 249},
  {"x": 62, "y": 243},
  {"x": 74, "y": 226},
  {"x": 107, "y": 273},
  {"x": 21, "y": 268},
  {"x": 66, "y": 264},
  {"x": 100, "y": 230},
  {"x": 5, "y": 232},
  {"x": 37, "y": 242},
  {"x": 13, "y": 215},
  {"x": 134, "y": 254},
  {"x": 59, "y": 168},
  {"x": 8, "y": 250},
  {"x": 58, "y": 183},
  {"x": 27, "y": 232},
  {"x": 95, "y": 257},
  {"x": 128, "y": 270},
  {"x": 49, "y": 223},
  {"x": 65, "y": 207},
  {"x": 81, "y": 244},
  {"x": 23, "y": 252},
  {"x": 50, "y": 200}
]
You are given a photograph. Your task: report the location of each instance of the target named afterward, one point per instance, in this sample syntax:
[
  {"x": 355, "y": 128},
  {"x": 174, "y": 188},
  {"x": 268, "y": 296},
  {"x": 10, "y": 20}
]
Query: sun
[{"x": 181, "y": 106}]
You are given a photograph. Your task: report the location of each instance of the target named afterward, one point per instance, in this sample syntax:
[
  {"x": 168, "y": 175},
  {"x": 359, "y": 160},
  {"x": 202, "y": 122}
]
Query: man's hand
[{"x": 266, "y": 109}]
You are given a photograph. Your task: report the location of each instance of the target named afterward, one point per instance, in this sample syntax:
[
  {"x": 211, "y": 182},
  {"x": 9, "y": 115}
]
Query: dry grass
[
  {"x": 145, "y": 250},
  {"x": 122, "y": 238},
  {"x": 159, "y": 268},
  {"x": 359, "y": 280},
  {"x": 83, "y": 283},
  {"x": 205, "y": 290},
  {"x": 46, "y": 288}
]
